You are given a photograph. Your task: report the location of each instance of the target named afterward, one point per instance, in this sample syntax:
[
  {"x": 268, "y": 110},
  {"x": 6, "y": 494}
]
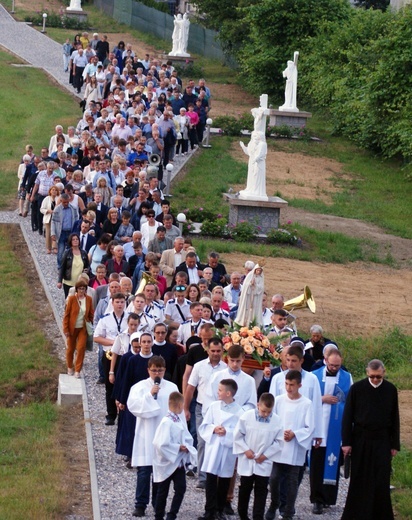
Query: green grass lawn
[
  {"x": 31, "y": 462},
  {"x": 31, "y": 107}
]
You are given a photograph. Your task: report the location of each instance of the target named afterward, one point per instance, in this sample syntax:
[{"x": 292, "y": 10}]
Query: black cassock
[
  {"x": 371, "y": 426},
  {"x": 133, "y": 368}
]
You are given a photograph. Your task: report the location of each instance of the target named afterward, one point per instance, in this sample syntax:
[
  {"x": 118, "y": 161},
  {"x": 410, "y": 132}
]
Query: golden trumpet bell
[
  {"x": 146, "y": 278},
  {"x": 303, "y": 301}
]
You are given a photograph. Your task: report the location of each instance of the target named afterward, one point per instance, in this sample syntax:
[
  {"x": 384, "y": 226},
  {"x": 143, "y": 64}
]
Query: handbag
[{"x": 89, "y": 328}]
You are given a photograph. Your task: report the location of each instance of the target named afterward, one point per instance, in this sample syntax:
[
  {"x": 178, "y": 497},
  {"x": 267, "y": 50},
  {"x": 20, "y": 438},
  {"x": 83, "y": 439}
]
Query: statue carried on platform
[{"x": 250, "y": 301}]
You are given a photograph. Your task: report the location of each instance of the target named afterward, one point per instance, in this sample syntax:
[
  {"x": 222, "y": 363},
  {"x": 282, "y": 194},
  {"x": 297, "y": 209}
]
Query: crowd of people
[{"x": 137, "y": 288}]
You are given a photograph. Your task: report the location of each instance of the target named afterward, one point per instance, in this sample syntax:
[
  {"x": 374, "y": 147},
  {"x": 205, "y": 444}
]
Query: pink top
[{"x": 193, "y": 116}]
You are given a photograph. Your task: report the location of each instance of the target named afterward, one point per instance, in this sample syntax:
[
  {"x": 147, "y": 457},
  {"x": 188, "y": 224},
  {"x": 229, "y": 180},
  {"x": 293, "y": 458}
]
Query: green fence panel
[
  {"x": 146, "y": 19},
  {"x": 122, "y": 11}
]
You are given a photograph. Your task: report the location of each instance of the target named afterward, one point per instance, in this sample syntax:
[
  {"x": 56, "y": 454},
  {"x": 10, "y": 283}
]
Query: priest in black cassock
[{"x": 371, "y": 435}]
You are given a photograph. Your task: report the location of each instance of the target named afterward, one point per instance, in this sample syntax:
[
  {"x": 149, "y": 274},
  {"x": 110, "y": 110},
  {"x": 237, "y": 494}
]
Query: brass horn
[
  {"x": 303, "y": 301},
  {"x": 109, "y": 355},
  {"x": 146, "y": 278}
]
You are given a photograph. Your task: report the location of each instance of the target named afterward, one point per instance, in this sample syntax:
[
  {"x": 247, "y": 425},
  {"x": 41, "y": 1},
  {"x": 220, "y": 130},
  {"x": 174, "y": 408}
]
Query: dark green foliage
[
  {"x": 361, "y": 72},
  {"x": 226, "y": 17},
  {"x": 56, "y": 20},
  {"x": 277, "y": 28},
  {"x": 160, "y": 6},
  {"x": 373, "y": 4}
]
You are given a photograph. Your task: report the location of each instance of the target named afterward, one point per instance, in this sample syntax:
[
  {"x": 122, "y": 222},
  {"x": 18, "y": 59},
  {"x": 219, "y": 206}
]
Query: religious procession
[{"x": 204, "y": 374}]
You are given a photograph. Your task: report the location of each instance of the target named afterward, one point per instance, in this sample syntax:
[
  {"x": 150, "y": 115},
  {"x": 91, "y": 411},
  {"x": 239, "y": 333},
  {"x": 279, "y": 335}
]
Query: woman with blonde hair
[
  {"x": 47, "y": 209},
  {"x": 91, "y": 92},
  {"x": 79, "y": 310},
  {"x": 78, "y": 181},
  {"x": 105, "y": 191}
]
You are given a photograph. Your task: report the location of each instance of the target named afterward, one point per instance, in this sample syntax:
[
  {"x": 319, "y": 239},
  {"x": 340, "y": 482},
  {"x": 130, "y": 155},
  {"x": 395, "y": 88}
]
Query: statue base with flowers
[{"x": 260, "y": 349}]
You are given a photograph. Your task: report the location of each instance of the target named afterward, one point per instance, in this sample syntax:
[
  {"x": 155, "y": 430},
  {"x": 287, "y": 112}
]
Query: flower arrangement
[{"x": 256, "y": 343}]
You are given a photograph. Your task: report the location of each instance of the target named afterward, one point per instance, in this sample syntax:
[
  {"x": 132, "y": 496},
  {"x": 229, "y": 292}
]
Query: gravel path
[{"x": 116, "y": 484}]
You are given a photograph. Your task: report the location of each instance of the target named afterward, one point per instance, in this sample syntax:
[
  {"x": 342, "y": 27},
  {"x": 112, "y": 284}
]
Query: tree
[
  {"x": 277, "y": 28},
  {"x": 225, "y": 16},
  {"x": 373, "y": 4}
]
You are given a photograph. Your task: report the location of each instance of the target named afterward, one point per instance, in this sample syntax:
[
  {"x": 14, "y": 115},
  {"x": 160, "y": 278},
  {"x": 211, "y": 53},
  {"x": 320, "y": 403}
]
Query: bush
[
  {"x": 199, "y": 214},
  {"x": 281, "y": 236},
  {"x": 215, "y": 228},
  {"x": 229, "y": 125},
  {"x": 244, "y": 231},
  {"x": 57, "y": 20},
  {"x": 160, "y": 6},
  {"x": 188, "y": 69}
]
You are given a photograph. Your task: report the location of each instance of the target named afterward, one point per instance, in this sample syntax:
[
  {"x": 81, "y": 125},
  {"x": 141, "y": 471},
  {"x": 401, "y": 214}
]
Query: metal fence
[{"x": 146, "y": 19}]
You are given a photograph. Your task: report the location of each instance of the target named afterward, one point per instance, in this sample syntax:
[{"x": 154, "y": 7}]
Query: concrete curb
[{"x": 87, "y": 424}]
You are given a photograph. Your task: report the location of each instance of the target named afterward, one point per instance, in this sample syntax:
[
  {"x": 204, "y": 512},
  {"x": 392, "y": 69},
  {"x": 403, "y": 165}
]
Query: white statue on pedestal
[
  {"x": 291, "y": 75},
  {"x": 180, "y": 36},
  {"x": 75, "y": 5},
  {"x": 257, "y": 151}
]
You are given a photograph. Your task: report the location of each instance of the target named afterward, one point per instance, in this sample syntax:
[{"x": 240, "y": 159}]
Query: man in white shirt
[
  {"x": 191, "y": 327},
  {"x": 178, "y": 308},
  {"x": 106, "y": 331},
  {"x": 199, "y": 379},
  {"x": 233, "y": 290},
  {"x": 153, "y": 307}
]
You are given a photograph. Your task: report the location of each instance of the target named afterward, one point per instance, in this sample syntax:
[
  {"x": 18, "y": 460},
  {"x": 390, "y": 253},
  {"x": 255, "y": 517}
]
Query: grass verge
[
  {"x": 32, "y": 466},
  {"x": 357, "y": 351},
  {"x": 373, "y": 189},
  {"x": 31, "y": 107},
  {"x": 402, "y": 480}
]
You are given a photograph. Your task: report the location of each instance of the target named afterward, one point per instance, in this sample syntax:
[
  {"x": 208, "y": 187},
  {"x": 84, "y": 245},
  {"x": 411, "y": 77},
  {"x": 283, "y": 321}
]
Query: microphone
[{"x": 157, "y": 383}]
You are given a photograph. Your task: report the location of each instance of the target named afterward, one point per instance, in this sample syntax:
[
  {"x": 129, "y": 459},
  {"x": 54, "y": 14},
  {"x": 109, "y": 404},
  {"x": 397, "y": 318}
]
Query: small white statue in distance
[
  {"x": 257, "y": 151},
  {"x": 75, "y": 5},
  {"x": 180, "y": 36},
  {"x": 291, "y": 75}
]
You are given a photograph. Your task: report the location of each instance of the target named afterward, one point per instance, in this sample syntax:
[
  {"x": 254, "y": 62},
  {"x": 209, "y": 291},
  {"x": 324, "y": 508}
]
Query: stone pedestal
[
  {"x": 80, "y": 16},
  {"x": 70, "y": 390},
  {"x": 283, "y": 117},
  {"x": 264, "y": 213},
  {"x": 178, "y": 59}
]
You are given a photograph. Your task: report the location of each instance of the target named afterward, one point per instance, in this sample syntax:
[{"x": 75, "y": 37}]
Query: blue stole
[{"x": 342, "y": 386}]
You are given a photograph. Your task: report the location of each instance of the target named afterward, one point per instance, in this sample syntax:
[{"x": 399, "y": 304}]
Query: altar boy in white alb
[
  {"x": 149, "y": 401},
  {"x": 257, "y": 438},
  {"x": 298, "y": 422},
  {"x": 219, "y": 462},
  {"x": 173, "y": 448},
  {"x": 246, "y": 394}
]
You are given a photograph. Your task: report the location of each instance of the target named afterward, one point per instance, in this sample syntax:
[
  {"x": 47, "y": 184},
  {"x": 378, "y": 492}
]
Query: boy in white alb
[
  {"x": 296, "y": 414},
  {"x": 173, "y": 447},
  {"x": 246, "y": 395},
  {"x": 219, "y": 462},
  {"x": 258, "y": 437},
  {"x": 149, "y": 401}
]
